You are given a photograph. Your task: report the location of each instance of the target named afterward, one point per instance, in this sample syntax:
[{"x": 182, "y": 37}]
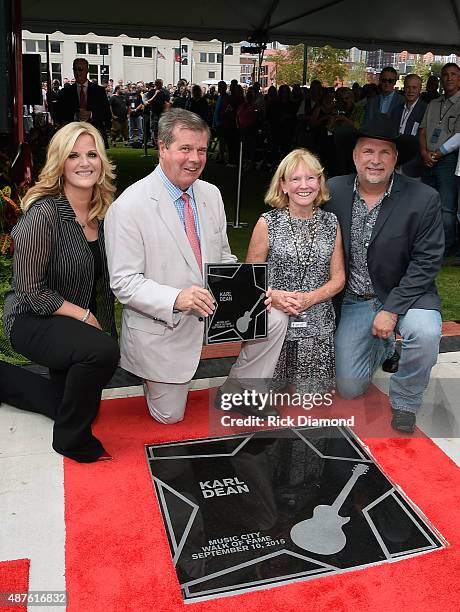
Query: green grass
[
  {"x": 132, "y": 166},
  {"x": 448, "y": 283},
  {"x": 6, "y": 352}
]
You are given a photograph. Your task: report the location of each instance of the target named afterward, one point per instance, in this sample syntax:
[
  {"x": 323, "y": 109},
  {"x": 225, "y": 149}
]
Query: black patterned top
[
  {"x": 285, "y": 271},
  {"x": 362, "y": 225},
  {"x": 53, "y": 263}
]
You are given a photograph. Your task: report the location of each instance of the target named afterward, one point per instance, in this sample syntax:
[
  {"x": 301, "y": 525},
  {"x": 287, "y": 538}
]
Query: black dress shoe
[
  {"x": 254, "y": 408},
  {"x": 403, "y": 421},
  {"x": 392, "y": 363},
  {"x": 105, "y": 457}
]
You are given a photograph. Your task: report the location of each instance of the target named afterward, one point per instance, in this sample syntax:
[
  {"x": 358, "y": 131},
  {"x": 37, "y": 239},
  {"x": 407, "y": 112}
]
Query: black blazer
[
  {"x": 407, "y": 244},
  {"x": 415, "y": 166},
  {"x": 373, "y": 106},
  {"x": 68, "y": 103},
  {"x": 416, "y": 116}
]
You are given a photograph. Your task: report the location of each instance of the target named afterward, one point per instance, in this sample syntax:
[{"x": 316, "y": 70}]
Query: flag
[
  {"x": 184, "y": 55},
  {"x": 177, "y": 56},
  {"x": 160, "y": 54}
]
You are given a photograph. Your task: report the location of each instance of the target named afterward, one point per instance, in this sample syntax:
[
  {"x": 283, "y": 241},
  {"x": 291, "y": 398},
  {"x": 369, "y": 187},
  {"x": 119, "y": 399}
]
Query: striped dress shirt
[
  {"x": 53, "y": 263},
  {"x": 176, "y": 197}
]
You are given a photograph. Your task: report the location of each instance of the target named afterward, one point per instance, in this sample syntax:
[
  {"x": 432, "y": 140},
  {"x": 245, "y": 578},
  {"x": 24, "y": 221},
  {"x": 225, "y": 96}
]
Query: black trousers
[{"x": 81, "y": 360}]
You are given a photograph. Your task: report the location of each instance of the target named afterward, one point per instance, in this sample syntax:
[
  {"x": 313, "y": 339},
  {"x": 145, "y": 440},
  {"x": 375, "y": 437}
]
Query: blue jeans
[
  {"x": 135, "y": 125},
  {"x": 442, "y": 177},
  {"x": 359, "y": 353}
]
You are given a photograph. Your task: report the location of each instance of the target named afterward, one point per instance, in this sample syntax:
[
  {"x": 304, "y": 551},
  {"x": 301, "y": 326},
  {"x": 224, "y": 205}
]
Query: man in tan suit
[{"x": 158, "y": 234}]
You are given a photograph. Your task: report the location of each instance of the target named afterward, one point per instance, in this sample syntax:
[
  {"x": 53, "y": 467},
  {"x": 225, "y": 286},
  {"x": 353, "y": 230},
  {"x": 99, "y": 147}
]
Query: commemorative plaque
[
  {"x": 239, "y": 291},
  {"x": 262, "y": 509}
]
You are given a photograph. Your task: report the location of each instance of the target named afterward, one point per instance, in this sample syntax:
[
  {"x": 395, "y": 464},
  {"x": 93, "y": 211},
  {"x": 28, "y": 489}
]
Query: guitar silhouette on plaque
[
  {"x": 242, "y": 323},
  {"x": 322, "y": 533}
]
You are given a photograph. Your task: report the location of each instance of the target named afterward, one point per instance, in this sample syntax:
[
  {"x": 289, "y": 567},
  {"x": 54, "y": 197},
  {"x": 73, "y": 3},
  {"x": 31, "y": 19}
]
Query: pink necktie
[
  {"x": 190, "y": 229},
  {"x": 82, "y": 97}
]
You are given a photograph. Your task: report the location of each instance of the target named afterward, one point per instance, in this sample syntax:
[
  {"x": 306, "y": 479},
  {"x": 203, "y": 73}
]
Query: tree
[
  {"x": 435, "y": 68},
  {"x": 288, "y": 64},
  {"x": 423, "y": 70},
  {"x": 324, "y": 63},
  {"x": 327, "y": 64},
  {"x": 358, "y": 74}
]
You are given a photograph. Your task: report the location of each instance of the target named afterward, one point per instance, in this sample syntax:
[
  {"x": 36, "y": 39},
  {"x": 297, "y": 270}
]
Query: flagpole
[
  {"x": 180, "y": 58},
  {"x": 222, "y": 62},
  {"x": 156, "y": 66},
  {"x": 48, "y": 80}
]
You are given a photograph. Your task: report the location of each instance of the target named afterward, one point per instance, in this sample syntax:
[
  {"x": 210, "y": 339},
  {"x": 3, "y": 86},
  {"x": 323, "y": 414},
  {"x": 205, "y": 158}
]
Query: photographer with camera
[
  {"x": 348, "y": 115},
  {"x": 322, "y": 126},
  {"x": 347, "y": 111}
]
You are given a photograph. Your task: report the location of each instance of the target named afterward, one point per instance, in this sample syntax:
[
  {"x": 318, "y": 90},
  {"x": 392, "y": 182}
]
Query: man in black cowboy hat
[{"x": 394, "y": 243}]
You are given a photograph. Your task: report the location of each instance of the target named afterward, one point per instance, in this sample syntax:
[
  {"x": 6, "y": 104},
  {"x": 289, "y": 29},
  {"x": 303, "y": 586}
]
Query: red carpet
[
  {"x": 14, "y": 578},
  {"x": 117, "y": 554}
]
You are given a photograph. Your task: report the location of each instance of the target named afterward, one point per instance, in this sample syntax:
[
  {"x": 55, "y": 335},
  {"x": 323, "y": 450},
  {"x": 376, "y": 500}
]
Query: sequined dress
[{"x": 307, "y": 359}]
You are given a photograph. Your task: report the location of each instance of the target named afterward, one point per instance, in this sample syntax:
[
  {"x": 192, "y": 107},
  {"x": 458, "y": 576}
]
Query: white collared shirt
[{"x": 405, "y": 116}]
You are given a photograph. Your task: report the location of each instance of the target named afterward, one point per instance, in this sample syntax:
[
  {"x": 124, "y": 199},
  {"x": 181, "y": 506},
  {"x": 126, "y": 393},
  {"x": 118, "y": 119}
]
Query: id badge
[
  {"x": 435, "y": 136},
  {"x": 298, "y": 321}
]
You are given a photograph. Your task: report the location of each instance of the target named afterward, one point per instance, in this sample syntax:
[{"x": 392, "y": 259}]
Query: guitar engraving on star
[
  {"x": 242, "y": 323},
  {"x": 322, "y": 533}
]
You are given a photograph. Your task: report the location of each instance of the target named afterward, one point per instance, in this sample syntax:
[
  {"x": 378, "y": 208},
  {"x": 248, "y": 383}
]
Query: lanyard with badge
[
  {"x": 438, "y": 130},
  {"x": 304, "y": 258},
  {"x": 405, "y": 116}
]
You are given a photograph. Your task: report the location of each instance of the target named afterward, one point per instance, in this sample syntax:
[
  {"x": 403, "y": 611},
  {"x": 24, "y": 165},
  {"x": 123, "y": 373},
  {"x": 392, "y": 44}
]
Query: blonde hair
[
  {"x": 49, "y": 181},
  {"x": 275, "y": 196}
]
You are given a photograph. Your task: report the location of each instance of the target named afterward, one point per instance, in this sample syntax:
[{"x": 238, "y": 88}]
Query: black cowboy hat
[{"x": 380, "y": 127}]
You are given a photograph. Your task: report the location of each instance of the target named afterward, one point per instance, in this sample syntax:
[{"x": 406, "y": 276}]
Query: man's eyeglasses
[{"x": 388, "y": 81}]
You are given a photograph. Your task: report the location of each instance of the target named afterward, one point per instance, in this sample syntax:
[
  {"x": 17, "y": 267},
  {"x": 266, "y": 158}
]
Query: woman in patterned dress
[{"x": 303, "y": 247}]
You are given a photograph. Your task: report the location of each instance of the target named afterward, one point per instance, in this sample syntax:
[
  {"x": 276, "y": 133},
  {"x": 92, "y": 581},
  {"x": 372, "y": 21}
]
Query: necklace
[
  {"x": 304, "y": 249},
  {"x": 84, "y": 224}
]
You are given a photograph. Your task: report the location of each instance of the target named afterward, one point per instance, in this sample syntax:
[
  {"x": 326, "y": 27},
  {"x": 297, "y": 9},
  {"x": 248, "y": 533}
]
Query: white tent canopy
[{"x": 394, "y": 25}]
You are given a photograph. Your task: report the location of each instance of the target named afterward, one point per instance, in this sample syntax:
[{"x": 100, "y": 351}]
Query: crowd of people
[
  {"x": 352, "y": 257},
  {"x": 132, "y": 111},
  {"x": 271, "y": 124}
]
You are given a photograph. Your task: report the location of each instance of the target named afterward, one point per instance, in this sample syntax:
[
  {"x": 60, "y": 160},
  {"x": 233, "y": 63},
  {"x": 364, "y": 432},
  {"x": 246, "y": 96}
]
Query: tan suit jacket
[{"x": 150, "y": 261}]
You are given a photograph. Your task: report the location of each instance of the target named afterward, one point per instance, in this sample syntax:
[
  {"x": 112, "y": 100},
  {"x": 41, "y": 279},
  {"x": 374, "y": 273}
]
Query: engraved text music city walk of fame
[{"x": 261, "y": 509}]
